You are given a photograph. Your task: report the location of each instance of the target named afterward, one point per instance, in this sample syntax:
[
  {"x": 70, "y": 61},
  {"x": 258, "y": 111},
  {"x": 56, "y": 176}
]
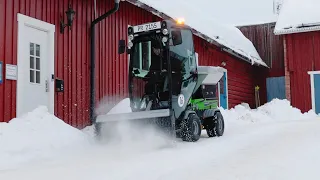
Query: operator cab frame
[{"x": 175, "y": 40}]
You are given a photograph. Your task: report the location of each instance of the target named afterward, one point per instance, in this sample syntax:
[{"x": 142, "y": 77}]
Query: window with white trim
[{"x": 34, "y": 63}]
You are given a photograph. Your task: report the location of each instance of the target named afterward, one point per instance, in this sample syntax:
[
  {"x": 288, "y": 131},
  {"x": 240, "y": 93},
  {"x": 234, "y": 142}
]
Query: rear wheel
[
  {"x": 216, "y": 126},
  {"x": 191, "y": 128}
]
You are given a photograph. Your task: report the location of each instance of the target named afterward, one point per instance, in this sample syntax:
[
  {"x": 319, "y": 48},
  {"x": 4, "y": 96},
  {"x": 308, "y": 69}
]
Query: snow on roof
[
  {"x": 229, "y": 37},
  {"x": 298, "y": 16}
]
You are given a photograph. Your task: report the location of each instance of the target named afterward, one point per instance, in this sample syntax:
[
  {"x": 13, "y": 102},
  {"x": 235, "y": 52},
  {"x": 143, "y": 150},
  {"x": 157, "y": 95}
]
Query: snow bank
[
  {"x": 204, "y": 21},
  {"x": 297, "y": 12},
  {"x": 276, "y": 110},
  {"x": 36, "y": 136}
]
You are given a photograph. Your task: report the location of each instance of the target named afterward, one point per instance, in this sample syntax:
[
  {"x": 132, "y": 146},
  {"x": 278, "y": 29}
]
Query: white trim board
[
  {"x": 296, "y": 30},
  {"x": 227, "y": 88},
  {"x": 312, "y": 73},
  {"x": 35, "y": 23},
  {"x": 26, "y": 21}
]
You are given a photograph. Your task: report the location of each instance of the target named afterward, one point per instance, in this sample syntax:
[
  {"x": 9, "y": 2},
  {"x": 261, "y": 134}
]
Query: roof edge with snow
[
  {"x": 249, "y": 59},
  {"x": 292, "y": 30}
]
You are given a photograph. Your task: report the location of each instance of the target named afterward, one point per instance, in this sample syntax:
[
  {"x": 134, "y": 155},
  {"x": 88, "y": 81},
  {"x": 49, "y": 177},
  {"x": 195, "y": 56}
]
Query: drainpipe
[{"x": 92, "y": 60}]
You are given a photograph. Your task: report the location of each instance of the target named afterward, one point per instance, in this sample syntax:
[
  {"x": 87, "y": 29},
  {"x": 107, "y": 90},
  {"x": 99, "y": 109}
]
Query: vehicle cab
[{"x": 162, "y": 66}]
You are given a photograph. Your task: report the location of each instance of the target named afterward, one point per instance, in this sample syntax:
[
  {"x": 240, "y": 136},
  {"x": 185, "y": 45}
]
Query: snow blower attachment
[{"x": 167, "y": 88}]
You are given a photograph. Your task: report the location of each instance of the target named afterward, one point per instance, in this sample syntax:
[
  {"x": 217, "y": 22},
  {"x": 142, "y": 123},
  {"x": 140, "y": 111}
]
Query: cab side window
[{"x": 184, "y": 54}]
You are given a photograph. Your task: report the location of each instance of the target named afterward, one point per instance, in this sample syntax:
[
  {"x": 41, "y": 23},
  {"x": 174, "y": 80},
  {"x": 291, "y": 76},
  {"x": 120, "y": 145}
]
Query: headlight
[
  {"x": 131, "y": 37},
  {"x": 130, "y": 44},
  {"x": 165, "y": 39},
  {"x": 165, "y": 31}
]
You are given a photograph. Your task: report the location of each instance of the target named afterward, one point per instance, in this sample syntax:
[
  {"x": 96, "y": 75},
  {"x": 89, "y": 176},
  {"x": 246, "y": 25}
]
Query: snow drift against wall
[
  {"x": 35, "y": 136},
  {"x": 203, "y": 22},
  {"x": 296, "y": 13},
  {"x": 276, "y": 110}
]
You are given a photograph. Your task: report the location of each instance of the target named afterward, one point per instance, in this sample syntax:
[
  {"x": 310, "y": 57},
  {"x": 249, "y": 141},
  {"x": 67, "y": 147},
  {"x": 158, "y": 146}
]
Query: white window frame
[
  {"x": 313, "y": 102},
  {"x": 35, "y": 70}
]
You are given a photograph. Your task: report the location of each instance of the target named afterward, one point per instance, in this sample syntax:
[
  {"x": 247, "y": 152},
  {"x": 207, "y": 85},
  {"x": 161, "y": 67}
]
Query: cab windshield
[
  {"x": 148, "y": 65},
  {"x": 147, "y": 56}
]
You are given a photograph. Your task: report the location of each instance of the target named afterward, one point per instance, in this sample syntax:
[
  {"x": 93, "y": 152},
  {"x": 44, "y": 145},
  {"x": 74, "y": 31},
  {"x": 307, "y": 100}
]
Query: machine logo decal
[{"x": 181, "y": 100}]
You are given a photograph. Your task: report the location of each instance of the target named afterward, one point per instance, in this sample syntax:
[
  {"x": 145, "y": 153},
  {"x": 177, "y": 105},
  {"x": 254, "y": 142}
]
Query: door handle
[{"x": 47, "y": 86}]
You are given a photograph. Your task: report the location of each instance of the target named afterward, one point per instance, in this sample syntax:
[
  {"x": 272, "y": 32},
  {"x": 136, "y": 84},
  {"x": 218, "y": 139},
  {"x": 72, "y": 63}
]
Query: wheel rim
[
  {"x": 196, "y": 127},
  {"x": 220, "y": 126}
]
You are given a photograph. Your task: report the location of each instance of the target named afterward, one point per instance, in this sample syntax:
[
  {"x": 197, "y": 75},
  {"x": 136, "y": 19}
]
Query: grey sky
[{"x": 239, "y": 12}]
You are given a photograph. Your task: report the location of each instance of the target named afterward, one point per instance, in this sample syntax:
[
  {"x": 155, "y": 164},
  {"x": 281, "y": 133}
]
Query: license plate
[{"x": 147, "y": 27}]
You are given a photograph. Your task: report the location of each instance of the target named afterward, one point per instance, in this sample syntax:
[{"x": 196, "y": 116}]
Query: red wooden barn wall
[
  {"x": 302, "y": 55},
  {"x": 72, "y": 56},
  {"x": 269, "y": 46}
]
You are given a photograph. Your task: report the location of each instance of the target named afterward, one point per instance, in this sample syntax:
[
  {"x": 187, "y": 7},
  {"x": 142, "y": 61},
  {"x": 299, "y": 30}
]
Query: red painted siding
[
  {"x": 72, "y": 61},
  {"x": 302, "y": 55}
]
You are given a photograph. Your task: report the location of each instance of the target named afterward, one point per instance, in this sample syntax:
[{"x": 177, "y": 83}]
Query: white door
[{"x": 35, "y": 86}]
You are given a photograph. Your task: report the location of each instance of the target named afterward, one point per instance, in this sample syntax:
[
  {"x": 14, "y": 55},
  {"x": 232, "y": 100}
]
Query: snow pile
[
  {"x": 122, "y": 107},
  {"x": 276, "y": 110},
  {"x": 204, "y": 22},
  {"x": 36, "y": 136},
  {"x": 295, "y": 13},
  {"x": 110, "y": 105}
]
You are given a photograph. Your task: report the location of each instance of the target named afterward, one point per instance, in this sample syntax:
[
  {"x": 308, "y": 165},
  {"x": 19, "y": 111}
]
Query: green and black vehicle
[{"x": 166, "y": 85}]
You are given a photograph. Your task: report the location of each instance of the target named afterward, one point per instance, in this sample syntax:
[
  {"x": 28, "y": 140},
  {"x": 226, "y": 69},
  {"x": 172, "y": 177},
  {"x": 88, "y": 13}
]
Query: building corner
[{"x": 287, "y": 72}]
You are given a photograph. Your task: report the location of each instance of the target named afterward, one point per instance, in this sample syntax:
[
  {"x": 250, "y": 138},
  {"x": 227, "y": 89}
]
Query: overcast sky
[{"x": 239, "y": 12}]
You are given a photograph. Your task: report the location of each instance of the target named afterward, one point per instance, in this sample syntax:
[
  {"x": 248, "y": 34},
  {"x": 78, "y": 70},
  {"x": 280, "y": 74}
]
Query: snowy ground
[{"x": 275, "y": 141}]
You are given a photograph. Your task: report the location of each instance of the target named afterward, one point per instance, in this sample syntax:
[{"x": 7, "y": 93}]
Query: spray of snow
[
  {"x": 36, "y": 136},
  {"x": 128, "y": 136}
]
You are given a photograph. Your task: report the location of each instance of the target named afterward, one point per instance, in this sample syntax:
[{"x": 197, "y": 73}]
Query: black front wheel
[
  {"x": 216, "y": 126},
  {"x": 191, "y": 128}
]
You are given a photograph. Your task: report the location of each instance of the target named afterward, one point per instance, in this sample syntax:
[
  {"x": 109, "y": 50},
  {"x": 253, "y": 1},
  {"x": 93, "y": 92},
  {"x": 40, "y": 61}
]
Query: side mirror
[
  {"x": 122, "y": 47},
  {"x": 176, "y": 37}
]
